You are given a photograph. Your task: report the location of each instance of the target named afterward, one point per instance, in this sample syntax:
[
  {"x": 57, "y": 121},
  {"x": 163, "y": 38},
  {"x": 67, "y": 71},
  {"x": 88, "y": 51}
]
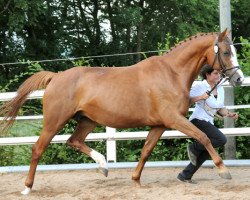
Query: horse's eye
[{"x": 226, "y": 53}]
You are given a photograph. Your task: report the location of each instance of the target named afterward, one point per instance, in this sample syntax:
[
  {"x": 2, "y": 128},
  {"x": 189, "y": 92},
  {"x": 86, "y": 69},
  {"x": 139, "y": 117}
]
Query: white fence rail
[{"x": 110, "y": 136}]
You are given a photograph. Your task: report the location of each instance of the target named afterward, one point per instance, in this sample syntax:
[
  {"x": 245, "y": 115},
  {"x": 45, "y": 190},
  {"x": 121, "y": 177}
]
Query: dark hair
[{"x": 206, "y": 69}]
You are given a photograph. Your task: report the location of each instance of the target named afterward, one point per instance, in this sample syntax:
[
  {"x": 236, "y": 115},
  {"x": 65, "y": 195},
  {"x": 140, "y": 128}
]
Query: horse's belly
[{"x": 120, "y": 119}]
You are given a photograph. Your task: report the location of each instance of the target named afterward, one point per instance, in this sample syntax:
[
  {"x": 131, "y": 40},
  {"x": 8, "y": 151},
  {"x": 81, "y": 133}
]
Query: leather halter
[{"x": 223, "y": 67}]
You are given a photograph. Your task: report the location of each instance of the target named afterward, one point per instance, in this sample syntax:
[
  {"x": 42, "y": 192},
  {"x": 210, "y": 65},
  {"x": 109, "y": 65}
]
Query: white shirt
[{"x": 205, "y": 109}]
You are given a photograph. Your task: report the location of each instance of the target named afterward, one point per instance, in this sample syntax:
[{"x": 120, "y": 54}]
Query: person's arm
[
  {"x": 197, "y": 93},
  {"x": 198, "y": 98},
  {"x": 226, "y": 113}
]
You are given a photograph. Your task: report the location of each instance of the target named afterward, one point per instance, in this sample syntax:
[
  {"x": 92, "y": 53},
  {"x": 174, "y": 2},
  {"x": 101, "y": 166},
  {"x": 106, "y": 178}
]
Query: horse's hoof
[
  {"x": 225, "y": 175},
  {"x": 104, "y": 171},
  {"x": 26, "y": 190},
  {"x": 137, "y": 183}
]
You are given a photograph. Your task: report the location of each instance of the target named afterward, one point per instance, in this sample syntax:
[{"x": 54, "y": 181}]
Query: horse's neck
[{"x": 188, "y": 57}]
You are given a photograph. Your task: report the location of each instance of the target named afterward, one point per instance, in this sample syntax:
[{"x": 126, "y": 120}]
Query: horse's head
[{"x": 222, "y": 56}]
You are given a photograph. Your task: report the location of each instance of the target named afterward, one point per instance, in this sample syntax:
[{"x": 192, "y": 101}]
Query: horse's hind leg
[
  {"x": 151, "y": 140},
  {"x": 56, "y": 116},
  {"x": 84, "y": 127},
  {"x": 37, "y": 150}
]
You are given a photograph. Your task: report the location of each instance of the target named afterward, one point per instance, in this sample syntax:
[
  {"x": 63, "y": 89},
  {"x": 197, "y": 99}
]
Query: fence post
[
  {"x": 230, "y": 147},
  {"x": 225, "y": 22},
  {"x": 111, "y": 145}
]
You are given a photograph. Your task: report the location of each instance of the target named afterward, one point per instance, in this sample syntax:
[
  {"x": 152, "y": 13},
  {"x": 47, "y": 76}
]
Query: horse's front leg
[
  {"x": 182, "y": 124},
  {"x": 151, "y": 140}
]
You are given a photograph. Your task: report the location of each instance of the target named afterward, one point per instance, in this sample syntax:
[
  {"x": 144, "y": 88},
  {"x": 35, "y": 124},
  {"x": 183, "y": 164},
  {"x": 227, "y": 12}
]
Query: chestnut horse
[{"x": 153, "y": 92}]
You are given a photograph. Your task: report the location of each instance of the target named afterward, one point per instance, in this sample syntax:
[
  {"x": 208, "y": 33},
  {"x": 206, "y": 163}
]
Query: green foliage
[
  {"x": 22, "y": 128},
  {"x": 242, "y": 146},
  {"x": 242, "y": 97},
  {"x": 81, "y": 62},
  {"x": 31, "y": 69},
  {"x": 22, "y": 13},
  {"x": 245, "y": 56},
  {"x": 165, "y": 45},
  {"x": 129, "y": 16},
  {"x": 6, "y": 155},
  {"x": 243, "y": 143}
]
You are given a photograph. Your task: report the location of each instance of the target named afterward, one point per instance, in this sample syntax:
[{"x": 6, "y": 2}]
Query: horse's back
[{"x": 109, "y": 96}]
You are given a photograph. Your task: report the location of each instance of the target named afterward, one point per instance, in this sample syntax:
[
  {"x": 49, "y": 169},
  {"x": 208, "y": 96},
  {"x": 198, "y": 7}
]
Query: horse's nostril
[{"x": 239, "y": 79}]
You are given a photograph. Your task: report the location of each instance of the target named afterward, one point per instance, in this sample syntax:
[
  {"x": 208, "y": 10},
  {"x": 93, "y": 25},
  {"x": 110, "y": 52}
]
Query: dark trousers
[{"x": 218, "y": 139}]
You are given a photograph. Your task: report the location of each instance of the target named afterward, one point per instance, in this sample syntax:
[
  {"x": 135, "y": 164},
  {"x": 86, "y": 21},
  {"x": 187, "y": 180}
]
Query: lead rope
[
  {"x": 220, "y": 81},
  {"x": 206, "y": 107}
]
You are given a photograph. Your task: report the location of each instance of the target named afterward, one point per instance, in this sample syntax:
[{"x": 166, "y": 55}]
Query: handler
[{"x": 206, "y": 108}]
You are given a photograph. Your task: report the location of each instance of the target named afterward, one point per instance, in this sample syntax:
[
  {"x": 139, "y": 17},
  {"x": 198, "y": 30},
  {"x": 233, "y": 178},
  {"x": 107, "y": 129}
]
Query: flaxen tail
[{"x": 10, "y": 109}]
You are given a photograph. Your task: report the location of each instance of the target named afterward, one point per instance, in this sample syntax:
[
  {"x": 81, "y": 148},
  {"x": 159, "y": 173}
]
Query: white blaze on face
[
  {"x": 98, "y": 158},
  {"x": 234, "y": 57},
  {"x": 236, "y": 64}
]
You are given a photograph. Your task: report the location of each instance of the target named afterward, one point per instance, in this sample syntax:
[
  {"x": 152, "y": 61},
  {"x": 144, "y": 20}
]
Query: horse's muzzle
[{"x": 237, "y": 78}]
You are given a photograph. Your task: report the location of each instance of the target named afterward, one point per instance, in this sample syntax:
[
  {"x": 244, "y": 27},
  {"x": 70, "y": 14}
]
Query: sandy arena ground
[{"x": 157, "y": 183}]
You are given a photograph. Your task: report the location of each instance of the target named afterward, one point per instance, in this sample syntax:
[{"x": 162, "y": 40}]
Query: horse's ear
[{"x": 223, "y": 35}]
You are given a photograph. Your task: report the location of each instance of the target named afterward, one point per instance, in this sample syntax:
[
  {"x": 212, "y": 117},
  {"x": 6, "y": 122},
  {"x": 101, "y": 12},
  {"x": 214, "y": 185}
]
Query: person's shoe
[
  {"x": 192, "y": 157},
  {"x": 182, "y": 179}
]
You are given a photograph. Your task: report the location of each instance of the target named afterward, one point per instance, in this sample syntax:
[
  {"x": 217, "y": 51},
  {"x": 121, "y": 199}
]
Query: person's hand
[
  {"x": 198, "y": 98},
  {"x": 204, "y": 96},
  {"x": 233, "y": 115}
]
